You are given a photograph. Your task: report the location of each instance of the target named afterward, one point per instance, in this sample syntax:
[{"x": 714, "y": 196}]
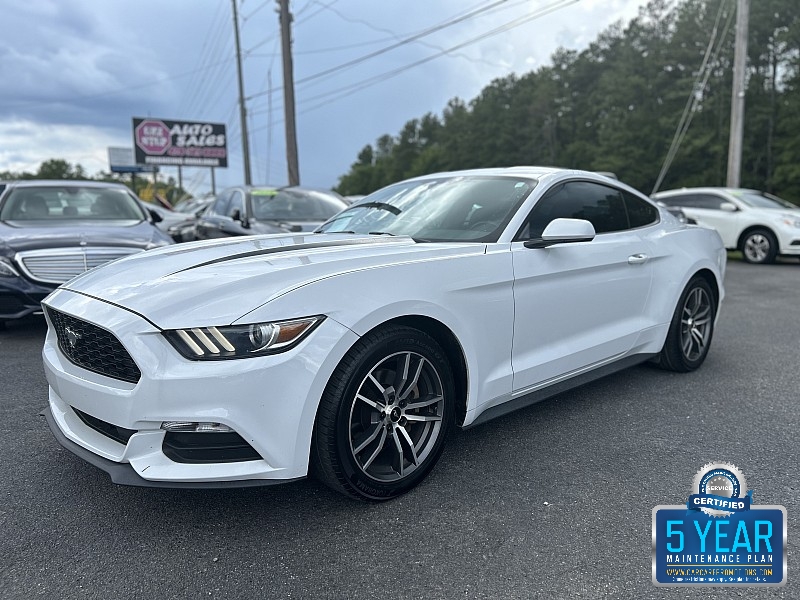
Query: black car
[
  {"x": 51, "y": 231},
  {"x": 184, "y": 231},
  {"x": 173, "y": 222},
  {"x": 250, "y": 210}
]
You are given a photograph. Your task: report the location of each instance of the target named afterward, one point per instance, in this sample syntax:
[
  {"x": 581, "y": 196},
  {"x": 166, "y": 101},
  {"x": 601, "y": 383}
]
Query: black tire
[
  {"x": 759, "y": 247},
  {"x": 373, "y": 442},
  {"x": 691, "y": 328}
]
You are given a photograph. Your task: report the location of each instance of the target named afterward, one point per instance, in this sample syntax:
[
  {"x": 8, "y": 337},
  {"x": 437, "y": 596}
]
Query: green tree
[{"x": 57, "y": 168}]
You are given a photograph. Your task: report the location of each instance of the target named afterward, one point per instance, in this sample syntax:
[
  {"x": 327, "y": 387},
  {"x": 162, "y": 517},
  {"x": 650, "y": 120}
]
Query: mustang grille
[
  {"x": 62, "y": 264},
  {"x": 93, "y": 348}
]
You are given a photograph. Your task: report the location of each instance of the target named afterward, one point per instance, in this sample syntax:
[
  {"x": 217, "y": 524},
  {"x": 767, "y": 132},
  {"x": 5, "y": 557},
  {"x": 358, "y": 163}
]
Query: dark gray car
[
  {"x": 51, "y": 231},
  {"x": 250, "y": 210}
]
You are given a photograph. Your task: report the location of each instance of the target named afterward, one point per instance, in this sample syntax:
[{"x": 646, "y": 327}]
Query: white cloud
[{"x": 25, "y": 145}]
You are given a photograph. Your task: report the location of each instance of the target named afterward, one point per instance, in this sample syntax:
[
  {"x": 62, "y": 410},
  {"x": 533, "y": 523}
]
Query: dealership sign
[{"x": 179, "y": 143}]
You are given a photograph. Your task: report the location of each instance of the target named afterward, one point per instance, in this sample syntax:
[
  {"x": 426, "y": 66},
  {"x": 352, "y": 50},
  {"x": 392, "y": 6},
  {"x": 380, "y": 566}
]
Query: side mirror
[
  {"x": 157, "y": 218},
  {"x": 563, "y": 231},
  {"x": 238, "y": 216},
  {"x": 728, "y": 207}
]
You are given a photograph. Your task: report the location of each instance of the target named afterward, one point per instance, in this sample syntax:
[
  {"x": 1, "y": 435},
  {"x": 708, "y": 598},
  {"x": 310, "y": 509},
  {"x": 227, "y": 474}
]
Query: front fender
[{"x": 469, "y": 294}]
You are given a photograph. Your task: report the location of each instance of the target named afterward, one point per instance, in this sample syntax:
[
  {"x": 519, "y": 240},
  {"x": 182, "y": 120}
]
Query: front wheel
[
  {"x": 691, "y": 329},
  {"x": 759, "y": 247},
  {"x": 384, "y": 416}
]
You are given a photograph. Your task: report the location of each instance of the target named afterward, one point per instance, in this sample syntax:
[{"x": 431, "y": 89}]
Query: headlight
[
  {"x": 7, "y": 269},
  {"x": 240, "y": 341},
  {"x": 790, "y": 220}
]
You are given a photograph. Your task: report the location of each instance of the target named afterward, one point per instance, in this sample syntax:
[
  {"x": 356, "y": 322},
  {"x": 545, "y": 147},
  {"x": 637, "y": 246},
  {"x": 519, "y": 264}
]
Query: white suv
[{"x": 762, "y": 226}]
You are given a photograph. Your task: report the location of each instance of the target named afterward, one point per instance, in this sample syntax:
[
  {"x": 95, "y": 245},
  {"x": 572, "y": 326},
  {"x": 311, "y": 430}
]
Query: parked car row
[{"x": 51, "y": 231}]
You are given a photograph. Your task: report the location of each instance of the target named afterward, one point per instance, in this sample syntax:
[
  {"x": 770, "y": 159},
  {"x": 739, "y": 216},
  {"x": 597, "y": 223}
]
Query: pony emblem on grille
[{"x": 72, "y": 337}]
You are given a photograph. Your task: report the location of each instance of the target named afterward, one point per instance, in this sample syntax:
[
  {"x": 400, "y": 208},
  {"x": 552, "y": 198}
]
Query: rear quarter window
[{"x": 640, "y": 213}]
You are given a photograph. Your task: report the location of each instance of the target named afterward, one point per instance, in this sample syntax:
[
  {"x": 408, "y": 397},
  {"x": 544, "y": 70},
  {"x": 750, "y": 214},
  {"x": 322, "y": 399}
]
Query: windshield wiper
[
  {"x": 382, "y": 233},
  {"x": 382, "y": 205}
]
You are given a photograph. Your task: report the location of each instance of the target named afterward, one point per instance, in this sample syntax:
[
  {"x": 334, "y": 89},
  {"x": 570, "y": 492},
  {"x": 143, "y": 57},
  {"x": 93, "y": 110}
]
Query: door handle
[{"x": 637, "y": 259}]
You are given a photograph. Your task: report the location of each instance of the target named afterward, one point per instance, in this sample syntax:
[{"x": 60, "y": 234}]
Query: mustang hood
[{"x": 217, "y": 282}]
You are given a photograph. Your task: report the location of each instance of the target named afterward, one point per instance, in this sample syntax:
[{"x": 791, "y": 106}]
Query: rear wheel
[
  {"x": 385, "y": 415},
  {"x": 759, "y": 247},
  {"x": 691, "y": 329}
]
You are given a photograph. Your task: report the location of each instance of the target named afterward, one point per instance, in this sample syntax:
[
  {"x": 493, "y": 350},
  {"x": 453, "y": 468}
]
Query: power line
[
  {"x": 358, "y": 86},
  {"x": 245, "y": 18},
  {"x": 205, "y": 55},
  {"x": 213, "y": 83},
  {"x": 331, "y": 48},
  {"x": 467, "y": 12},
  {"x": 399, "y": 38},
  {"x": 403, "y": 42}
]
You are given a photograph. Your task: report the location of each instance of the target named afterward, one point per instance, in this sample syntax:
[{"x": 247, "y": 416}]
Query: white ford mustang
[{"x": 441, "y": 301}]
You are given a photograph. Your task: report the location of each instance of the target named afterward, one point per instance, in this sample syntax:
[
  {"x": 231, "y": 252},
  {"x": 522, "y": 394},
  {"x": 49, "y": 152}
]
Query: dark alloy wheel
[
  {"x": 691, "y": 329},
  {"x": 384, "y": 416},
  {"x": 759, "y": 247}
]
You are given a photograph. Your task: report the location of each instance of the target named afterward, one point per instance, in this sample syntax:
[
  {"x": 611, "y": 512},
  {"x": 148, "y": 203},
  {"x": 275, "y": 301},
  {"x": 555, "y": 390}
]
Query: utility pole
[
  {"x": 288, "y": 93},
  {"x": 242, "y": 108},
  {"x": 737, "y": 95},
  {"x": 269, "y": 129}
]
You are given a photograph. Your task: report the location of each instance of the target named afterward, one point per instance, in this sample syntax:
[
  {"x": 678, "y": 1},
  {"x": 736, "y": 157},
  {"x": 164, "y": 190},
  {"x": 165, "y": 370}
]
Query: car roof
[{"x": 532, "y": 172}]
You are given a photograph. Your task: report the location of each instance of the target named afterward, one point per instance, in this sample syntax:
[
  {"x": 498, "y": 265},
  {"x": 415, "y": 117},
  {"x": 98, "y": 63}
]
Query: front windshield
[
  {"x": 445, "y": 209},
  {"x": 69, "y": 202},
  {"x": 759, "y": 200}
]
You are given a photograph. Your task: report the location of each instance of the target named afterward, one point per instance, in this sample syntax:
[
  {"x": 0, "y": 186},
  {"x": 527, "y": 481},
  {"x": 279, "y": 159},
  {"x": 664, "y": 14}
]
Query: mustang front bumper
[{"x": 269, "y": 401}]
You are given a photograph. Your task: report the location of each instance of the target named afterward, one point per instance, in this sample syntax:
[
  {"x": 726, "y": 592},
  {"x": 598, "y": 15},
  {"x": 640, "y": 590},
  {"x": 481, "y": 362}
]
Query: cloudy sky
[{"x": 75, "y": 72}]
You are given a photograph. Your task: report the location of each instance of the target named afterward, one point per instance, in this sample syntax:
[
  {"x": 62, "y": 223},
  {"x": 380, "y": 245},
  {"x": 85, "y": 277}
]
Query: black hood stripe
[{"x": 296, "y": 247}]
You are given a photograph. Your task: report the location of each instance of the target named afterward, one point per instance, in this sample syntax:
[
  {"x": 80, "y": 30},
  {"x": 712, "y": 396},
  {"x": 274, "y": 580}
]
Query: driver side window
[
  {"x": 236, "y": 203},
  {"x": 220, "y": 206},
  {"x": 601, "y": 205}
]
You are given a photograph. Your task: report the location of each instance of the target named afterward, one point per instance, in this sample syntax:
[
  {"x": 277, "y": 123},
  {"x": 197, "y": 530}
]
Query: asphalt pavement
[{"x": 553, "y": 501}]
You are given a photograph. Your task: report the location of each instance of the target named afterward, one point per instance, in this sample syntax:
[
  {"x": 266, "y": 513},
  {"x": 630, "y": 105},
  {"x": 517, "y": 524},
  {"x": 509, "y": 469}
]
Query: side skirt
[{"x": 558, "y": 388}]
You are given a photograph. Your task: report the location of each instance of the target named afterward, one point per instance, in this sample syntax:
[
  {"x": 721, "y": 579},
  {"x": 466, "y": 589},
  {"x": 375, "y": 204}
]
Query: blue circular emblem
[{"x": 720, "y": 482}]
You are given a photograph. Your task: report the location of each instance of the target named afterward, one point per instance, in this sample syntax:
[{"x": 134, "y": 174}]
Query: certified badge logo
[
  {"x": 719, "y": 490},
  {"x": 719, "y": 538}
]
